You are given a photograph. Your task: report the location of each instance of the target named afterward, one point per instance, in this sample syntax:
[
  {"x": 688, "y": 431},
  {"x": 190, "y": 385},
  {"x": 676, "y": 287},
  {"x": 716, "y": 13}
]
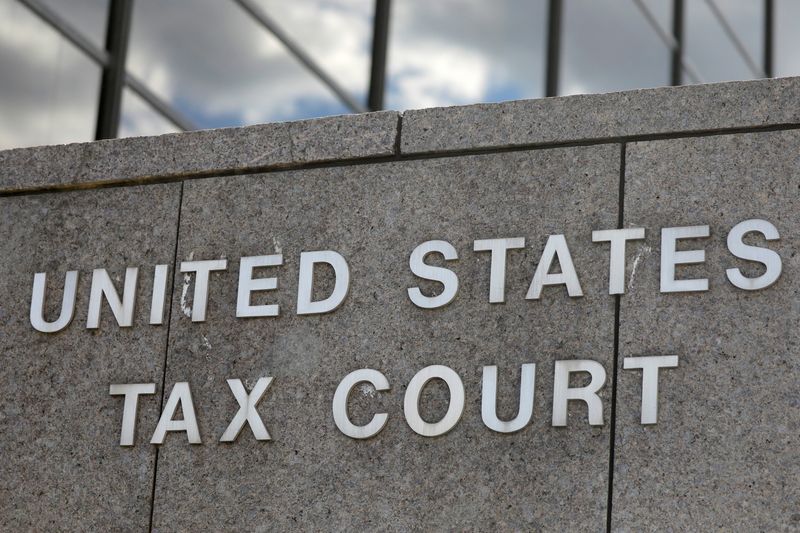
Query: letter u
[
  {"x": 67, "y": 303},
  {"x": 489, "y": 400}
]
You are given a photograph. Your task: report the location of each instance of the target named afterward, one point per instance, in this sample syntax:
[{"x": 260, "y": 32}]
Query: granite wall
[{"x": 723, "y": 454}]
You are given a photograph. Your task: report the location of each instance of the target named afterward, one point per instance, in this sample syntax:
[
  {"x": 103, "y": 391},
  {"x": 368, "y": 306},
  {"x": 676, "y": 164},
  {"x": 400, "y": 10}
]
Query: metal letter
[
  {"x": 616, "y": 265},
  {"x": 102, "y": 287},
  {"x": 343, "y": 391},
  {"x": 650, "y": 366},
  {"x": 562, "y": 392},
  {"x": 671, "y": 257},
  {"x": 489, "y": 400},
  {"x": 769, "y": 258},
  {"x": 454, "y": 410},
  {"x": 247, "y": 410},
  {"x": 247, "y": 285},
  {"x": 131, "y": 391},
  {"x": 497, "y": 272},
  {"x": 181, "y": 393},
  {"x": 306, "y": 282},
  {"x": 556, "y": 246},
  {"x": 67, "y": 303},
  {"x": 444, "y": 276},
  {"x": 201, "y": 270},
  {"x": 159, "y": 292}
]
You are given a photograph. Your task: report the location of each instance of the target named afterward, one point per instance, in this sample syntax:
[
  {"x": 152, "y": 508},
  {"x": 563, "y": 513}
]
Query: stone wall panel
[
  {"x": 311, "y": 476},
  {"x": 63, "y": 467},
  {"x": 724, "y": 452}
]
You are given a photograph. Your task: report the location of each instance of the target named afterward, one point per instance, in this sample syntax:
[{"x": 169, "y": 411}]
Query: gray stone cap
[
  {"x": 622, "y": 115},
  {"x": 199, "y": 153},
  {"x": 613, "y": 117}
]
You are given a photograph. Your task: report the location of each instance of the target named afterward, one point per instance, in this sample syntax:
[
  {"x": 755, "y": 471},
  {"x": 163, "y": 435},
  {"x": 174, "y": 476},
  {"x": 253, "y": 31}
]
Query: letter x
[{"x": 247, "y": 410}]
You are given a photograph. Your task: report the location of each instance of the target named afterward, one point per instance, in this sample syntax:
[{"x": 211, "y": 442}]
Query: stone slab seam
[
  {"x": 166, "y": 351},
  {"x": 617, "y": 304}
]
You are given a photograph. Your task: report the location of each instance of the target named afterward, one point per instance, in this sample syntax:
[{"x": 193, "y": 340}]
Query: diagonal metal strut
[
  {"x": 737, "y": 43},
  {"x": 270, "y": 25},
  {"x": 668, "y": 40}
]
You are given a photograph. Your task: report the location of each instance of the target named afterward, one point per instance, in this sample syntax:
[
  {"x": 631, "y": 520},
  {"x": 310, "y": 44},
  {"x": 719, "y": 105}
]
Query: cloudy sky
[{"x": 214, "y": 64}]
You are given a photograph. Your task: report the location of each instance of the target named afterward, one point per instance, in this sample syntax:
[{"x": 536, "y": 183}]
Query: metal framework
[
  {"x": 102, "y": 58},
  {"x": 674, "y": 41},
  {"x": 115, "y": 77}
]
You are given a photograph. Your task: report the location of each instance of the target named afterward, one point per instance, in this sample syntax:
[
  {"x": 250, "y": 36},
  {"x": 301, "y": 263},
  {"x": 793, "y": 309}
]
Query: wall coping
[{"x": 612, "y": 117}]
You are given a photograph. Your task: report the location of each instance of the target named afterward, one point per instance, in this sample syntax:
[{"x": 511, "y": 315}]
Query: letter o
[{"x": 454, "y": 410}]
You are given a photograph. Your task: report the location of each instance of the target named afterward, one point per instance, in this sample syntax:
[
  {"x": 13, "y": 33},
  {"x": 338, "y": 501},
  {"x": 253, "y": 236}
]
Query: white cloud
[
  {"x": 452, "y": 75},
  {"x": 453, "y": 52},
  {"x": 337, "y": 34},
  {"x": 211, "y": 60}
]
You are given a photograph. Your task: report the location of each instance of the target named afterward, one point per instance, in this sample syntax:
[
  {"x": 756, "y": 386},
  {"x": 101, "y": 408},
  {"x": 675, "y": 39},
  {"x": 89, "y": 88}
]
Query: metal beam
[
  {"x": 101, "y": 57},
  {"x": 769, "y": 27},
  {"x": 380, "y": 39},
  {"x": 259, "y": 16},
  {"x": 553, "y": 47},
  {"x": 117, "y": 33},
  {"x": 677, "y": 34}
]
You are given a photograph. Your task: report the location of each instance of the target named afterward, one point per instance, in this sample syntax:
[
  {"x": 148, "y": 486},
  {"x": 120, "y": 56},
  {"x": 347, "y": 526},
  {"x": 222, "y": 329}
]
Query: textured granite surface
[
  {"x": 234, "y": 149},
  {"x": 592, "y": 117},
  {"x": 312, "y": 477},
  {"x": 62, "y": 466},
  {"x": 724, "y": 455}
]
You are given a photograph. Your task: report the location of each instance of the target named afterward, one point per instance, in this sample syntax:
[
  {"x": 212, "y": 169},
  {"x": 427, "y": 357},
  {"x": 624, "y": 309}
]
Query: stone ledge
[
  {"x": 687, "y": 109},
  {"x": 204, "y": 152}
]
